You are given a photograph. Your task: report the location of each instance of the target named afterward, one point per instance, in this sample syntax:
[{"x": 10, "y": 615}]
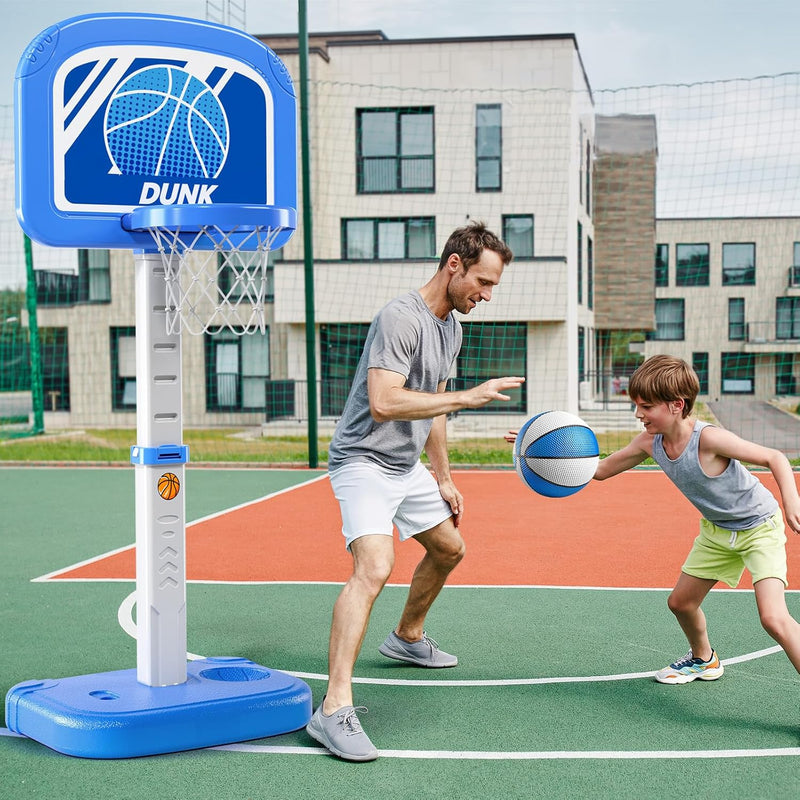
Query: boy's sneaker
[
  {"x": 342, "y": 734},
  {"x": 690, "y": 668},
  {"x": 424, "y": 653}
]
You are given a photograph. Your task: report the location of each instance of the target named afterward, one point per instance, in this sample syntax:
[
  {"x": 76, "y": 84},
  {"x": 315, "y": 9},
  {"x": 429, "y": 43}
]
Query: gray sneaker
[
  {"x": 424, "y": 653},
  {"x": 342, "y": 734}
]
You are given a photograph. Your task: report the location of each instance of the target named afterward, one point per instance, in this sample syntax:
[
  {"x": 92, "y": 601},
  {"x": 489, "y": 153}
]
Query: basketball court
[{"x": 558, "y": 625}]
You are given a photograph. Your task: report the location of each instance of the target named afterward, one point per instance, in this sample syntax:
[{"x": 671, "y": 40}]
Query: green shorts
[{"x": 723, "y": 555}]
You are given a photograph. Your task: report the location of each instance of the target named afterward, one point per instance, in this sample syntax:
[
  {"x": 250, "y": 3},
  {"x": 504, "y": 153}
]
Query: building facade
[
  {"x": 409, "y": 140},
  {"x": 727, "y": 300}
]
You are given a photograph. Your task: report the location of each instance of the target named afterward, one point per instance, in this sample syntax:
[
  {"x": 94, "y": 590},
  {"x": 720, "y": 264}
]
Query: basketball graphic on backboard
[{"x": 165, "y": 122}]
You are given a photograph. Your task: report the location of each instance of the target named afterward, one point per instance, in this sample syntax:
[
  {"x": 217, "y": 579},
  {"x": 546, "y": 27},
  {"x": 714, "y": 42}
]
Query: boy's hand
[
  {"x": 791, "y": 512},
  {"x": 511, "y": 437}
]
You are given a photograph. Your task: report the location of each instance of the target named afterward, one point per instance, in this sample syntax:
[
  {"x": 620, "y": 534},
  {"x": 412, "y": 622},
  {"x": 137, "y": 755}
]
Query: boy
[{"x": 742, "y": 525}]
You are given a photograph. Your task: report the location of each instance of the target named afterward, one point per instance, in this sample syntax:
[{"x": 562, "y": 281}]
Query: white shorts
[{"x": 372, "y": 501}]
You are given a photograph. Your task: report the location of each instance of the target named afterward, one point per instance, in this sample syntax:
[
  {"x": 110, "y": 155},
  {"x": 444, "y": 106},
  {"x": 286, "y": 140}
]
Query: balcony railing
[
  {"x": 770, "y": 332},
  {"x": 58, "y": 288}
]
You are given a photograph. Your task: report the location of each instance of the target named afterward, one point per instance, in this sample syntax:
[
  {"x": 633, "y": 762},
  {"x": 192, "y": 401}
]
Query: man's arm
[
  {"x": 390, "y": 400},
  {"x": 436, "y": 450}
]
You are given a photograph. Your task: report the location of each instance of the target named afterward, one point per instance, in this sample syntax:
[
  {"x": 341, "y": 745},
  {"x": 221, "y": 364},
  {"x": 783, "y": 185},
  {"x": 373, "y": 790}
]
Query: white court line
[
  {"x": 533, "y": 755},
  {"x": 625, "y": 676},
  {"x": 127, "y": 623},
  {"x": 50, "y": 575},
  {"x": 492, "y": 755}
]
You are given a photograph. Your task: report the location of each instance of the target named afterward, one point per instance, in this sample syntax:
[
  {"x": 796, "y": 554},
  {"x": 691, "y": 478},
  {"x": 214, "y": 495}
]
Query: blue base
[{"x": 112, "y": 715}]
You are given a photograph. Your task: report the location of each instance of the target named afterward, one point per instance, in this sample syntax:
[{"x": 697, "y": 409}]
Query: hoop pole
[
  {"x": 308, "y": 242},
  {"x": 160, "y": 523}
]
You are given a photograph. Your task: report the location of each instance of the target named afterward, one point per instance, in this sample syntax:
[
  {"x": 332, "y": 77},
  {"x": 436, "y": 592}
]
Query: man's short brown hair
[{"x": 470, "y": 241}]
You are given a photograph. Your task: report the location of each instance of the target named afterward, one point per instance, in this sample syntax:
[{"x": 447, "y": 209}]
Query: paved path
[{"x": 759, "y": 422}]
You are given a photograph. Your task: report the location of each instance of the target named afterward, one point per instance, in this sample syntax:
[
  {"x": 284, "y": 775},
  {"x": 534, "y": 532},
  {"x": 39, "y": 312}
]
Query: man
[{"x": 397, "y": 407}]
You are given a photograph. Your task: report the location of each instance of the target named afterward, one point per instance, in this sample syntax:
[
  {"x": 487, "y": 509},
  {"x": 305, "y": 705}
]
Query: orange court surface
[{"x": 633, "y": 530}]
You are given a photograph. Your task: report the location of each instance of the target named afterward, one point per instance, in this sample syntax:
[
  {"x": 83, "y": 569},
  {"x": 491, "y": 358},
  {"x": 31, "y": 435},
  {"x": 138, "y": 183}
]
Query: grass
[
  {"x": 243, "y": 446},
  {"x": 112, "y": 446},
  {"x": 236, "y": 446}
]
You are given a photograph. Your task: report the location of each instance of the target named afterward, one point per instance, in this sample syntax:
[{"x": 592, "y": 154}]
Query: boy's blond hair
[{"x": 662, "y": 379}]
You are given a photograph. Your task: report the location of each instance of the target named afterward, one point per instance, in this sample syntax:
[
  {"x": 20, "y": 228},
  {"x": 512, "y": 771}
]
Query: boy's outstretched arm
[
  {"x": 784, "y": 477},
  {"x": 727, "y": 445},
  {"x": 626, "y": 458}
]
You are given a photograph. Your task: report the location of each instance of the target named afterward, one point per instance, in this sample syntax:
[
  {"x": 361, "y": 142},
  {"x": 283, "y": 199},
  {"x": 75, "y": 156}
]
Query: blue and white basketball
[
  {"x": 165, "y": 122},
  {"x": 556, "y": 453}
]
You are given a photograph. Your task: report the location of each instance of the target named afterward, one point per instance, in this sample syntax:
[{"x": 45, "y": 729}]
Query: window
[
  {"x": 340, "y": 350},
  {"x": 488, "y": 148},
  {"x": 588, "y": 204},
  {"x": 669, "y": 320},
  {"x": 371, "y": 239},
  {"x": 240, "y": 278},
  {"x": 237, "y": 371},
  {"x": 735, "y": 318},
  {"x": 94, "y": 277},
  {"x": 581, "y": 354},
  {"x": 91, "y": 283},
  {"x": 394, "y": 150},
  {"x": 787, "y": 318},
  {"x": 738, "y": 264},
  {"x": 662, "y": 265},
  {"x": 785, "y": 381},
  {"x": 589, "y": 274},
  {"x": 580, "y": 263},
  {"x": 490, "y": 349},
  {"x": 700, "y": 366},
  {"x": 123, "y": 369},
  {"x": 691, "y": 265},
  {"x": 518, "y": 234},
  {"x": 794, "y": 272},
  {"x": 55, "y": 368},
  {"x": 738, "y": 373}
]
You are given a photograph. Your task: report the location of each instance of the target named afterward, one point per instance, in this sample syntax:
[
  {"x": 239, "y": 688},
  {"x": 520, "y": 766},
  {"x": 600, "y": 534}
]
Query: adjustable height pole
[{"x": 160, "y": 522}]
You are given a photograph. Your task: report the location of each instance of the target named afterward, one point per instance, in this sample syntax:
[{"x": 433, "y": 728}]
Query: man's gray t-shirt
[{"x": 407, "y": 338}]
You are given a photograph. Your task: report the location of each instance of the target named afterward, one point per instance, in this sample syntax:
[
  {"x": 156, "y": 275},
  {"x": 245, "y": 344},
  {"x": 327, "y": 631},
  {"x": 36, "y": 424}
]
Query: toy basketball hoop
[
  {"x": 173, "y": 138},
  {"x": 215, "y": 261}
]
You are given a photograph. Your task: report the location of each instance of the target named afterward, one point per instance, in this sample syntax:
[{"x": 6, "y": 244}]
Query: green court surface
[{"x": 552, "y": 697}]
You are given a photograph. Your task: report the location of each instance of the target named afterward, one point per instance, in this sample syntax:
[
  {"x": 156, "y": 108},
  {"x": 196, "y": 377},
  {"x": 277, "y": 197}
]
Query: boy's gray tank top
[{"x": 735, "y": 500}]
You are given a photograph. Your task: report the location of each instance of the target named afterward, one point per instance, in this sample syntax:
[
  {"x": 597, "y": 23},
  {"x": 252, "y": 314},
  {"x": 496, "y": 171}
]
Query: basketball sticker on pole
[
  {"x": 169, "y": 485},
  {"x": 121, "y": 111}
]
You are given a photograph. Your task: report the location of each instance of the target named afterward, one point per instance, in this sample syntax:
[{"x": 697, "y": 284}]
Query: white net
[{"x": 215, "y": 279}]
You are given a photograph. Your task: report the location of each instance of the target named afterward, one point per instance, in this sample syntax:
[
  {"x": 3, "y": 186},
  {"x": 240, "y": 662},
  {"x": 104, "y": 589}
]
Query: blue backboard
[{"x": 120, "y": 111}]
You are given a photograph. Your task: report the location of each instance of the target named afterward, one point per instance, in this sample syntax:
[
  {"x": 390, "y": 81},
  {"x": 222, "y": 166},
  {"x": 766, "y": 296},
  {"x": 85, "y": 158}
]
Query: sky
[{"x": 622, "y": 42}]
